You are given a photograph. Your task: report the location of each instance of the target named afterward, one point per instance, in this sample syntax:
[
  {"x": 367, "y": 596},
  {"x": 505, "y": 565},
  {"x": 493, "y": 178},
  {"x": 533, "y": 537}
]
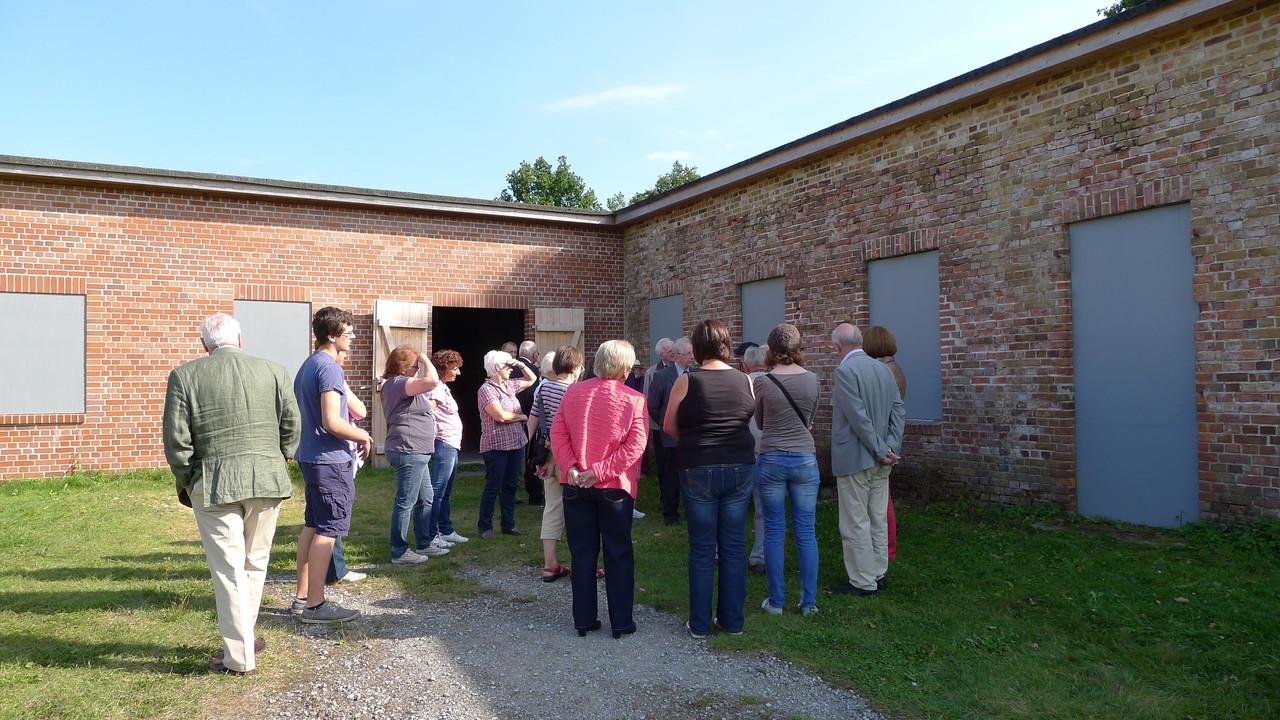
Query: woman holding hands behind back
[{"x": 598, "y": 436}]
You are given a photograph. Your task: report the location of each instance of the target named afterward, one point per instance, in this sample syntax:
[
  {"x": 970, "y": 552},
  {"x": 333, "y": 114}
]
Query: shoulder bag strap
[{"x": 787, "y": 395}]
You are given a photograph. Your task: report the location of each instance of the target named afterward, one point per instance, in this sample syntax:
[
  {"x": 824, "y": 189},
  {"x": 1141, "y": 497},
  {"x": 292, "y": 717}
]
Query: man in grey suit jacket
[
  {"x": 230, "y": 424},
  {"x": 867, "y": 421},
  {"x": 657, "y": 394}
]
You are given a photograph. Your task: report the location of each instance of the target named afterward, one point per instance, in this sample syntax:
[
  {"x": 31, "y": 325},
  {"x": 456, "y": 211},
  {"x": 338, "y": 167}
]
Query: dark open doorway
[{"x": 472, "y": 332}]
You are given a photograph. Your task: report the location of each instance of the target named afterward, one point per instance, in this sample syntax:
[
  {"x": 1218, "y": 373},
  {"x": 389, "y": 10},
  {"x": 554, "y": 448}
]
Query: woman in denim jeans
[
  {"x": 444, "y": 461},
  {"x": 786, "y": 401},
  {"x": 708, "y": 413},
  {"x": 597, "y": 438},
  {"x": 411, "y": 438}
]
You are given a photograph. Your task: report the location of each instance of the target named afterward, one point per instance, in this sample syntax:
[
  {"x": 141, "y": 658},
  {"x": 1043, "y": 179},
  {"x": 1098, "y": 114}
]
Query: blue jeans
[
  {"x": 444, "y": 468},
  {"x": 501, "y": 475},
  {"x": 715, "y": 509},
  {"x": 779, "y": 475},
  {"x": 413, "y": 496},
  {"x": 337, "y": 564},
  {"x": 596, "y": 519}
]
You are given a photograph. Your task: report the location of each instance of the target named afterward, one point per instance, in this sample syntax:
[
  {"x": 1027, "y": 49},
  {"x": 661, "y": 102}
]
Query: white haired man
[
  {"x": 867, "y": 421},
  {"x": 658, "y": 396},
  {"x": 230, "y": 424}
]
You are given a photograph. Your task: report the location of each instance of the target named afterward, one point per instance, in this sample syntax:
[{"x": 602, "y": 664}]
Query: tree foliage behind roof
[
  {"x": 1120, "y": 7},
  {"x": 677, "y": 176},
  {"x": 540, "y": 184}
]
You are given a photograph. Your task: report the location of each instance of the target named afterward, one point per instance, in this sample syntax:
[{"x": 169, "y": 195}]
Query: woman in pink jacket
[{"x": 597, "y": 439}]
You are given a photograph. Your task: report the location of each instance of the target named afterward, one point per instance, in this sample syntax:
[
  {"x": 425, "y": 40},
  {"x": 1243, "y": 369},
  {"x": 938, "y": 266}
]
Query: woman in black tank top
[{"x": 708, "y": 414}]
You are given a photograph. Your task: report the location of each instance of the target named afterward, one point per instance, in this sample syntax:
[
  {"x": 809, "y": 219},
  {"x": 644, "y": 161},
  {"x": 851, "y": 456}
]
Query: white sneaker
[
  {"x": 453, "y": 537},
  {"x": 769, "y": 608},
  {"x": 433, "y": 551},
  {"x": 809, "y": 610},
  {"x": 441, "y": 543},
  {"x": 409, "y": 558},
  {"x": 636, "y": 514},
  {"x": 352, "y": 576}
]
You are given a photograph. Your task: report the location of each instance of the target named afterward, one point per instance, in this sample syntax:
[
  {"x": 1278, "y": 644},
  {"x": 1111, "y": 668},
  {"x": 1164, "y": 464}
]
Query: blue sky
[{"x": 447, "y": 98}]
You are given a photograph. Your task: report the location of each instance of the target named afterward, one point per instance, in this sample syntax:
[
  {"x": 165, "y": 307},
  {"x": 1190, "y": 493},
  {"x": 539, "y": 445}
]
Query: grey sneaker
[
  {"x": 810, "y": 610},
  {"x": 694, "y": 633},
  {"x": 721, "y": 628},
  {"x": 327, "y": 613},
  {"x": 299, "y": 604},
  {"x": 433, "y": 551},
  {"x": 769, "y": 608},
  {"x": 453, "y": 537},
  {"x": 409, "y": 558}
]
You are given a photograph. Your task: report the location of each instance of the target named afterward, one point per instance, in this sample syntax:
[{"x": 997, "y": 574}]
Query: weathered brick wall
[
  {"x": 993, "y": 186},
  {"x": 152, "y": 265}
]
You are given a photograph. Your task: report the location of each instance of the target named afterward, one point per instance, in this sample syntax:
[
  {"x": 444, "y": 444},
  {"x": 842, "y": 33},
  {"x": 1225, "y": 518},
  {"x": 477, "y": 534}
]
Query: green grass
[{"x": 106, "y": 610}]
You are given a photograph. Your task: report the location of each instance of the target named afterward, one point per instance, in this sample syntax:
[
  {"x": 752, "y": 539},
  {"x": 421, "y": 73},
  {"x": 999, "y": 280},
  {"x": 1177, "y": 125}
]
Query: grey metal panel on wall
[
  {"x": 904, "y": 298},
  {"x": 666, "y": 319},
  {"x": 1134, "y": 318},
  {"x": 763, "y": 307},
  {"x": 43, "y": 362},
  {"x": 277, "y": 331}
]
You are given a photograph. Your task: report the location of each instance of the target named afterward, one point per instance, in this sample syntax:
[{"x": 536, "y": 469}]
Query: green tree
[
  {"x": 616, "y": 202},
  {"x": 1120, "y": 7},
  {"x": 540, "y": 184},
  {"x": 679, "y": 175}
]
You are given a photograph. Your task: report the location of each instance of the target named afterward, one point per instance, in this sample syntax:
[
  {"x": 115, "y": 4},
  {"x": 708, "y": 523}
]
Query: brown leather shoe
[
  {"x": 215, "y": 664},
  {"x": 757, "y": 568}
]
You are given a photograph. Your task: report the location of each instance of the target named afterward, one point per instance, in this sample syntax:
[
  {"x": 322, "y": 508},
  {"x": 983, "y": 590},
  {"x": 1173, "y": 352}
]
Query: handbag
[
  {"x": 540, "y": 444},
  {"x": 787, "y": 395}
]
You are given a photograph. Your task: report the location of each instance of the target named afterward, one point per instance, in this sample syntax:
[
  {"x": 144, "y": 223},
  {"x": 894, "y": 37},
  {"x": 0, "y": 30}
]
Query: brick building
[{"x": 1076, "y": 247}]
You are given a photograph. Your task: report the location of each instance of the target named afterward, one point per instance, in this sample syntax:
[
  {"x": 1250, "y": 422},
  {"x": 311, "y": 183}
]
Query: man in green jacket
[{"x": 230, "y": 424}]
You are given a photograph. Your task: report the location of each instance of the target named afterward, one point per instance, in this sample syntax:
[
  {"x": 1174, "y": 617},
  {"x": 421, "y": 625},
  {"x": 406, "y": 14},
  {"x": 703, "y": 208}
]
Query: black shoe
[
  {"x": 670, "y": 521},
  {"x": 582, "y": 632},
  {"x": 881, "y": 583},
  {"x": 851, "y": 589},
  {"x": 514, "y": 531},
  {"x": 617, "y": 634},
  {"x": 757, "y": 568}
]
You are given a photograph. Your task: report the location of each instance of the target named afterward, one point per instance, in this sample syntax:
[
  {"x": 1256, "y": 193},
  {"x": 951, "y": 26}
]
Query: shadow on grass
[
  {"x": 115, "y": 573},
  {"x": 55, "y": 602},
  {"x": 133, "y": 657}
]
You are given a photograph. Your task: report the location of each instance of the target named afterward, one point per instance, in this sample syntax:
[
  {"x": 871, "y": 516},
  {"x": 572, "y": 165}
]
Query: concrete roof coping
[{"x": 213, "y": 184}]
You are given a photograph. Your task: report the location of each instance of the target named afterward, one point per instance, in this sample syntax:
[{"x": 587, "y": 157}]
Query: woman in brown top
[{"x": 880, "y": 344}]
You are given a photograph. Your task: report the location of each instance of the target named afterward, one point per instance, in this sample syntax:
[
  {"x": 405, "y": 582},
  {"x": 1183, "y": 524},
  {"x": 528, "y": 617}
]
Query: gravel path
[{"x": 511, "y": 652}]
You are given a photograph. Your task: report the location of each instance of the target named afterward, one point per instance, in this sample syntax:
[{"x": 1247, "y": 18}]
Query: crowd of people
[{"x": 726, "y": 430}]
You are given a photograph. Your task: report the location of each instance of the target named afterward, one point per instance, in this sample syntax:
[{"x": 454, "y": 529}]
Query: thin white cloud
[
  {"x": 627, "y": 95},
  {"x": 669, "y": 155}
]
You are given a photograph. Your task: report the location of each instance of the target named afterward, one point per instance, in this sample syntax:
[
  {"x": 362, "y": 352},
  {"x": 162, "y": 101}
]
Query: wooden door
[
  {"x": 396, "y": 323},
  {"x": 554, "y": 327}
]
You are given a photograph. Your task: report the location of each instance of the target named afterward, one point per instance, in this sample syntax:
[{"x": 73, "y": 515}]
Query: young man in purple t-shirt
[{"x": 325, "y": 459}]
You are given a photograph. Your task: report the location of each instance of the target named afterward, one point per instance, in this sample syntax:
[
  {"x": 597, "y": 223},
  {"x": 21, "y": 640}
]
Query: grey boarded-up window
[
  {"x": 277, "y": 331},
  {"x": 43, "y": 366},
  {"x": 763, "y": 307},
  {"x": 904, "y": 299},
  {"x": 666, "y": 320}
]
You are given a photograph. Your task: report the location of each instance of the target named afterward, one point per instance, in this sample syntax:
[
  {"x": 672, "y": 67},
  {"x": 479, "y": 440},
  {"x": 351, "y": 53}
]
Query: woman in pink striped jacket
[{"x": 597, "y": 439}]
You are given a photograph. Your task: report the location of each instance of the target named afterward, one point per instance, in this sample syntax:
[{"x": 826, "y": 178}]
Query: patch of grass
[{"x": 106, "y": 608}]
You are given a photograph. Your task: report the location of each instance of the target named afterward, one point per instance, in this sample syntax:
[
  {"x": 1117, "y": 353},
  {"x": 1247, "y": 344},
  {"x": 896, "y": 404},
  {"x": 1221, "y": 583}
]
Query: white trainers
[
  {"x": 769, "y": 608},
  {"x": 810, "y": 610},
  {"x": 409, "y": 558},
  {"x": 433, "y": 551},
  {"x": 636, "y": 514},
  {"x": 441, "y": 543},
  {"x": 453, "y": 537}
]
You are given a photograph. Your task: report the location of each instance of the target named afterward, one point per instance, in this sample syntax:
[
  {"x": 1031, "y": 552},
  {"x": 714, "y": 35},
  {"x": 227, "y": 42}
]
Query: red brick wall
[
  {"x": 152, "y": 265},
  {"x": 993, "y": 186}
]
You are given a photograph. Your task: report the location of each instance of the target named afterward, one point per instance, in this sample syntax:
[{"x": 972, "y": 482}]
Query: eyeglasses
[{"x": 348, "y": 334}]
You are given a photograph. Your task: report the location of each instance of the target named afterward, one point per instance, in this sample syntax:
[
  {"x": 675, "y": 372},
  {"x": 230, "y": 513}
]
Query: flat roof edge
[
  {"x": 1047, "y": 58},
  {"x": 211, "y": 184}
]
